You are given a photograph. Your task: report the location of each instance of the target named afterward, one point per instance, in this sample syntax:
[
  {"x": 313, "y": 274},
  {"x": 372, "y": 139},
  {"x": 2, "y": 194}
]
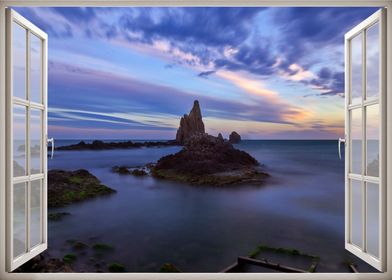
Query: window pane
[
  {"x": 372, "y": 219},
  {"x": 356, "y": 69},
  {"x": 356, "y": 213},
  {"x": 19, "y": 219},
  {"x": 372, "y": 61},
  {"x": 35, "y": 69},
  {"x": 35, "y": 141},
  {"x": 372, "y": 140},
  {"x": 19, "y": 140},
  {"x": 356, "y": 141},
  {"x": 35, "y": 213},
  {"x": 19, "y": 60}
]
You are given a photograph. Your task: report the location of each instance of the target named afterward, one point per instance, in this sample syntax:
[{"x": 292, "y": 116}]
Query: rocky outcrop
[
  {"x": 190, "y": 125},
  {"x": 220, "y": 137},
  {"x": 44, "y": 263},
  {"x": 135, "y": 171},
  {"x": 209, "y": 160},
  {"x": 101, "y": 145},
  {"x": 65, "y": 187},
  {"x": 234, "y": 138}
]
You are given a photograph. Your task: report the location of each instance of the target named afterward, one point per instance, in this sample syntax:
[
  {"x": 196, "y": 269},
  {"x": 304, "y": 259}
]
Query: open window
[
  {"x": 365, "y": 113},
  {"x": 365, "y": 143},
  {"x": 26, "y": 140}
]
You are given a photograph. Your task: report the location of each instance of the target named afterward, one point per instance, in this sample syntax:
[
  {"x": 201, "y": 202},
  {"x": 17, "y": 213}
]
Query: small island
[
  {"x": 206, "y": 159},
  {"x": 65, "y": 187}
]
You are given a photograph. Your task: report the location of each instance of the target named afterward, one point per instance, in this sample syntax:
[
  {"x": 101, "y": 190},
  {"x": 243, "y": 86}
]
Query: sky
[{"x": 131, "y": 73}]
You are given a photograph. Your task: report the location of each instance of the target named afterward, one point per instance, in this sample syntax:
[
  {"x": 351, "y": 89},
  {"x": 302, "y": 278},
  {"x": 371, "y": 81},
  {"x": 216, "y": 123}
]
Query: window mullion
[
  {"x": 364, "y": 200},
  {"x": 28, "y": 163}
]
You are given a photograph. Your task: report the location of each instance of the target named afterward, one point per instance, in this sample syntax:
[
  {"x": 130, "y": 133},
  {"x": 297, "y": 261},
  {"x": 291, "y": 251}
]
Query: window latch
[{"x": 340, "y": 141}]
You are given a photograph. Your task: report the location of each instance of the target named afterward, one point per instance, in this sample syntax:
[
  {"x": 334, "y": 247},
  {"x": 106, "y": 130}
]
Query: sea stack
[
  {"x": 234, "y": 138},
  {"x": 207, "y": 160},
  {"x": 190, "y": 125}
]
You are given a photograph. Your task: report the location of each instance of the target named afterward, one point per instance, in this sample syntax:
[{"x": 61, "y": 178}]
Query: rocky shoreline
[{"x": 101, "y": 145}]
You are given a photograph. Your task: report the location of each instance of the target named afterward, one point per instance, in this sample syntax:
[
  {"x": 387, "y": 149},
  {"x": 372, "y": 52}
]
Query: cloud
[
  {"x": 205, "y": 74},
  {"x": 93, "y": 91},
  {"x": 328, "y": 83},
  {"x": 207, "y": 26},
  {"x": 228, "y": 38}
]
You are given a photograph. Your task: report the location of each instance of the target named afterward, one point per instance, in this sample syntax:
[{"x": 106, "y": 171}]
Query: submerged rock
[
  {"x": 121, "y": 170},
  {"x": 168, "y": 267},
  {"x": 234, "y": 138},
  {"x": 65, "y": 187},
  {"x": 207, "y": 160},
  {"x": 190, "y": 125},
  {"x": 57, "y": 216},
  {"x": 139, "y": 172}
]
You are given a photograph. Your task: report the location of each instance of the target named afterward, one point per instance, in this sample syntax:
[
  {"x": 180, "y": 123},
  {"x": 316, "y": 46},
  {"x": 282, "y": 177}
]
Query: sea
[{"x": 150, "y": 222}]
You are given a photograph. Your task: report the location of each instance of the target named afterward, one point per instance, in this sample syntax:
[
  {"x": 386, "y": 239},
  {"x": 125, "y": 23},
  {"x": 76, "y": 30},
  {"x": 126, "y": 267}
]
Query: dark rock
[
  {"x": 79, "y": 246},
  {"x": 190, "y": 125},
  {"x": 102, "y": 247},
  {"x": 58, "y": 216},
  {"x": 100, "y": 145},
  {"x": 121, "y": 170},
  {"x": 65, "y": 187},
  {"x": 139, "y": 172},
  {"x": 234, "y": 138},
  {"x": 207, "y": 160},
  {"x": 168, "y": 267},
  {"x": 220, "y": 137},
  {"x": 44, "y": 263},
  {"x": 69, "y": 258},
  {"x": 116, "y": 267}
]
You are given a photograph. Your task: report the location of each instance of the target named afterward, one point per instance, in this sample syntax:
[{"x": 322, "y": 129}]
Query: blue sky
[{"x": 131, "y": 73}]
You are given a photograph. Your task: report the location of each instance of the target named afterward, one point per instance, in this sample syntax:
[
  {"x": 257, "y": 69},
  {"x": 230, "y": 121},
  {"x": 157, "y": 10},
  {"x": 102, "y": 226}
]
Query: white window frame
[
  {"x": 13, "y": 263},
  {"x": 191, "y": 276},
  {"x": 377, "y": 17}
]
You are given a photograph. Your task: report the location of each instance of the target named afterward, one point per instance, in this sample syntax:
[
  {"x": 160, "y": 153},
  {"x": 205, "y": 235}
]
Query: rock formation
[
  {"x": 208, "y": 160},
  {"x": 44, "y": 263},
  {"x": 234, "y": 138},
  {"x": 220, "y": 137},
  {"x": 65, "y": 187},
  {"x": 190, "y": 125}
]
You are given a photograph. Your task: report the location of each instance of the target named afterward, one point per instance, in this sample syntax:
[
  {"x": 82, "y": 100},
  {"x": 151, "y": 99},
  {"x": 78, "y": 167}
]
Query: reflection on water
[{"x": 204, "y": 229}]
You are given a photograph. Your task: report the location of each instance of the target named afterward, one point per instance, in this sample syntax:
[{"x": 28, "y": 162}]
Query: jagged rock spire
[{"x": 190, "y": 124}]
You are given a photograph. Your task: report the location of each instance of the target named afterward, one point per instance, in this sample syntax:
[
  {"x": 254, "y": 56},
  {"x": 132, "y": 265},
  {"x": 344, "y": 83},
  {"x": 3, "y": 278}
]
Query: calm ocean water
[{"x": 150, "y": 222}]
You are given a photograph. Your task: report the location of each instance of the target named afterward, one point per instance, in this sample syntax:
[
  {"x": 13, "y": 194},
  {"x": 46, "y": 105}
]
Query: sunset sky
[{"x": 131, "y": 73}]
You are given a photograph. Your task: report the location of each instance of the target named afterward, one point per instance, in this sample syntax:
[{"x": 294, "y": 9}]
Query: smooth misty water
[{"x": 150, "y": 222}]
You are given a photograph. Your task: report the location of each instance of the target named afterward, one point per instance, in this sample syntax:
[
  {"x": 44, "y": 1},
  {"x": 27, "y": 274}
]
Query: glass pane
[
  {"x": 372, "y": 219},
  {"x": 356, "y": 141},
  {"x": 35, "y": 141},
  {"x": 19, "y": 140},
  {"x": 19, "y": 219},
  {"x": 35, "y": 69},
  {"x": 35, "y": 213},
  {"x": 356, "y": 69},
  {"x": 372, "y": 61},
  {"x": 372, "y": 140},
  {"x": 356, "y": 213},
  {"x": 19, "y": 60}
]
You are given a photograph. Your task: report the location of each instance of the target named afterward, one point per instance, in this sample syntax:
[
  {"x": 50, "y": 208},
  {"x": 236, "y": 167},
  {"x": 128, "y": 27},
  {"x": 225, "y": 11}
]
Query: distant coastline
[{"x": 101, "y": 145}]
